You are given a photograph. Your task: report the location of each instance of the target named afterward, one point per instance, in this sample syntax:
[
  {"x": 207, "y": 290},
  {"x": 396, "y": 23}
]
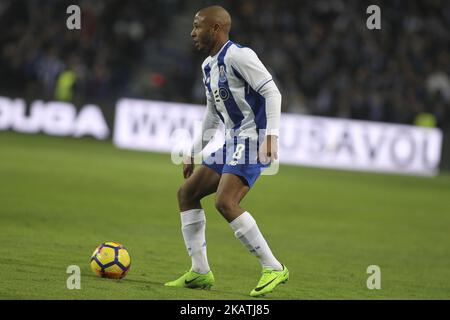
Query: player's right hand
[{"x": 188, "y": 167}]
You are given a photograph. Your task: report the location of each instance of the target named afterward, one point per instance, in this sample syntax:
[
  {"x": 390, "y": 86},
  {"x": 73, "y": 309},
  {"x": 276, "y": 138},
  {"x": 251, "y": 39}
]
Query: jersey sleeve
[
  {"x": 273, "y": 108},
  {"x": 210, "y": 123},
  {"x": 209, "y": 97},
  {"x": 247, "y": 66}
]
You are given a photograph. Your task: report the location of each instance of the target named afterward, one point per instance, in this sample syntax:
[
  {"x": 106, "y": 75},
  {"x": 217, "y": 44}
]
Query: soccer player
[{"x": 240, "y": 93}]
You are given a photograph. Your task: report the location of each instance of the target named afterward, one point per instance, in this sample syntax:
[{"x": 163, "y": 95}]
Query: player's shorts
[{"x": 239, "y": 157}]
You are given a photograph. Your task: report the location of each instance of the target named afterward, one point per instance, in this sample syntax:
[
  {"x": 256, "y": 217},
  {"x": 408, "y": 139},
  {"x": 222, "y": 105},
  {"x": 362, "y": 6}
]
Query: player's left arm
[
  {"x": 247, "y": 64},
  {"x": 269, "y": 148}
]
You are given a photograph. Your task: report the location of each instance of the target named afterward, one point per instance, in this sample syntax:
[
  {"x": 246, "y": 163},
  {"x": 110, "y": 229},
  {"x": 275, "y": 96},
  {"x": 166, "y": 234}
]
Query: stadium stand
[{"x": 325, "y": 60}]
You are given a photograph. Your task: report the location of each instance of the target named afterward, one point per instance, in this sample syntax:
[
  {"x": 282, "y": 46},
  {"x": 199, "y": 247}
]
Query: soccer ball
[{"x": 111, "y": 260}]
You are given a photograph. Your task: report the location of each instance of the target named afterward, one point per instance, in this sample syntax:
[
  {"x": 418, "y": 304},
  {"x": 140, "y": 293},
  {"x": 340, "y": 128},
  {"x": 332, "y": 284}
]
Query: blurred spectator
[{"x": 425, "y": 119}]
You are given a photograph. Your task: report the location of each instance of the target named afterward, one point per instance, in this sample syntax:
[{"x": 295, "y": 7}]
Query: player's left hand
[{"x": 269, "y": 149}]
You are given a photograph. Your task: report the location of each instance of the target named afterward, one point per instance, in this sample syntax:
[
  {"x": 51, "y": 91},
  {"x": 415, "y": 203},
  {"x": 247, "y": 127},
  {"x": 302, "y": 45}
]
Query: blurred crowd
[
  {"x": 41, "y": 57},
  {"x": 323, "y": 57}
]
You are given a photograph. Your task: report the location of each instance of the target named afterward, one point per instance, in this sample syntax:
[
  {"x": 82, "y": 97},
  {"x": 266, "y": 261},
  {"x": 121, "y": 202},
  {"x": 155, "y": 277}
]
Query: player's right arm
[{"x": 210, "y": 124}]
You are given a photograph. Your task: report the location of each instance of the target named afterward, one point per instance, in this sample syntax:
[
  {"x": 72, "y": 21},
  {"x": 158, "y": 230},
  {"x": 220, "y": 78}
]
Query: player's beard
[{"x": 206, "y": 45}]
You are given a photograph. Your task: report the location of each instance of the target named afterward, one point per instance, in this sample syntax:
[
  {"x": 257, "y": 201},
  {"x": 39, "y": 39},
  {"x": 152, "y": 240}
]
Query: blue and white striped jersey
[{"x": 237, "y": 86}]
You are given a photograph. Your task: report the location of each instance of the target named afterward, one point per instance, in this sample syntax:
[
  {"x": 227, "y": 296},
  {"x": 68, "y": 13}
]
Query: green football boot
[
  {"x": 269, "y": 280},
  {"x": 193, "y": 280}
]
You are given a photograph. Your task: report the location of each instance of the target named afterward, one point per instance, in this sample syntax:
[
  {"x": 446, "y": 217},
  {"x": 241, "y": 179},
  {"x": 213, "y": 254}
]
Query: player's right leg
[{"x": 201, "y": 183}]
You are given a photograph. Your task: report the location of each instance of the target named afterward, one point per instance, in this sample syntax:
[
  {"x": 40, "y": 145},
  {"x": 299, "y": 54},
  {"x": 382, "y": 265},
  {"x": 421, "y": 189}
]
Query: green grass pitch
[{"x": 61, "y": 197}]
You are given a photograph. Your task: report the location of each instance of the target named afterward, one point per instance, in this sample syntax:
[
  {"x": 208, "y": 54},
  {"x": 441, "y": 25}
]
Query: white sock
[
  {"x": 247, "y": 231},
  {"x": 193, "y": 227}
]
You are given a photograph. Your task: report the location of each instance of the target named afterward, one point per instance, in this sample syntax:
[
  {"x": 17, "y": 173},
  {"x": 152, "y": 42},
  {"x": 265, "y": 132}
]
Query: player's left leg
[{"x": 231, "y": 190}]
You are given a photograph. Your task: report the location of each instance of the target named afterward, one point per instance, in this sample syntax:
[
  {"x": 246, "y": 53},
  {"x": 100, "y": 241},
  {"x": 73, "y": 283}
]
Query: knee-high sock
[
  {"x": 247, "y": 231},
  {"x": 193, "y": 228}
]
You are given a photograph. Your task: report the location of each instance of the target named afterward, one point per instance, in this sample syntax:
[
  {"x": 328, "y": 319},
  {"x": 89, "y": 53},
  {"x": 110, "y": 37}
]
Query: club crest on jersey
[
  {"x": 222, "y": 75},
  {"x": 224, "y": 93}
]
